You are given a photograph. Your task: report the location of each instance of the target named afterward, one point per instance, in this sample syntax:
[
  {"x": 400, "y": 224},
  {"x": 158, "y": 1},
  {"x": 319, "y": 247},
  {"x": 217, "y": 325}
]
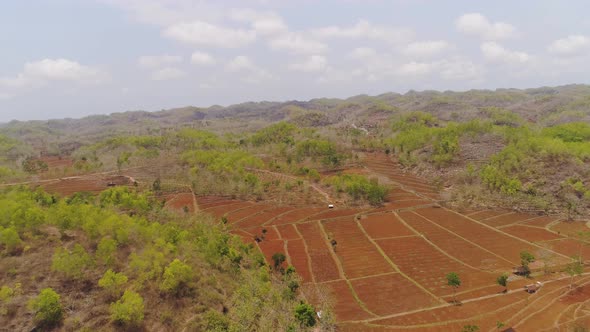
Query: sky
[{"x": 73, "y": 58}]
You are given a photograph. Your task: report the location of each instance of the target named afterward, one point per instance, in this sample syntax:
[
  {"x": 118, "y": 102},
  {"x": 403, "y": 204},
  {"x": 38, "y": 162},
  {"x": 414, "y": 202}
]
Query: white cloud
[
  {"x": 202, "y": 33},
  {"x": 495, "y": 52},
  {"x": 458, "y": 69},
  {"x": 252, "y": 73},
  {"x": 167, "y": 73},
  {"x": 363, "y": 53},
  {"x": 314, "y": 63},
  {"x": 5, "y": 96},
  {"x": 264, "y": 23},
  {"x": 571, "y": 45},
  {"x": 155, "y": 61},
  {"x": 416, "y": 68},
  {"x": 202, "y": 59},
  {"x": 476, "y": 24},
  {"x": 426, "y": 49},
  {"x": 40, "y": 72},
  {"x": 297, "y": 42},
  {"x": 365, "y": 29}
]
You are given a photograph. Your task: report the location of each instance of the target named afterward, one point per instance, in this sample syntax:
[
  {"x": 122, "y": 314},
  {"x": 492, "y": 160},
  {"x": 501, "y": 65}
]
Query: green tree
[
  {"x": 47, "y": 307},
  {"x": 177, "y": 277},
  {"x": 305, "y": 314},
  {"x": 278, "y": 259},
  {"x": 454, "y": 281},
  {"x": 73, "y": 264},
  {"x": 503, "y": 281},
  {"x": 499, "y": 325},
  {"x": 575, "y": 268},
  {"x": 10, "y": 240},
  {"x": 112, "y": 283},
  {"x": 525, "y": 259},
  {"x": 106, "y": 250},
  {"x": 128, "y": 311}
]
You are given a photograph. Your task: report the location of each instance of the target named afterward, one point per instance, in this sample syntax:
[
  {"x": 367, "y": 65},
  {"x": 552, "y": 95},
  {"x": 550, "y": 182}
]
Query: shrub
[
  {"x": 177, "y": 276},
  {"x": 47, "y": 307},
  {"x": 72, "y": 264},
  {"x": 128, "y": 311},
  {"x": 112, "y": 283},
  {"x": 10, "y": 240},
  {"x": 305, "y": 314}
]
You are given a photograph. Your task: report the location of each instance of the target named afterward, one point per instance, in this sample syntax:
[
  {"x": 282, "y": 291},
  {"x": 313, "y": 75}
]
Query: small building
[{"x": 533, "y": 288}]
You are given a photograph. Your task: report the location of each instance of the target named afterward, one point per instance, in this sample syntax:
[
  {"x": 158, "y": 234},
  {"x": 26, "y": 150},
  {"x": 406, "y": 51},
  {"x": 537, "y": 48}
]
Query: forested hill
[{"x": 546, "y": 106}]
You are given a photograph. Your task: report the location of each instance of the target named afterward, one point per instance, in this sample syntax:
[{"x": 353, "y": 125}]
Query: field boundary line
[
  {"x": 497, "y": 216},
  {"x": 509, "y": 235},
  {"x": 341, "y": 271},
  {"x": 395, "y": 267},
  {"x": 307, "y": 254},
  {"x": 462, "y": 238},
  {"x": 275, "y": 217}
]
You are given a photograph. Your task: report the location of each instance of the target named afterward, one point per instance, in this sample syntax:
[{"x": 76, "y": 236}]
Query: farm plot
[
  {"x": 70, "y": 186},
  {"x": 454, "y": 245},
  {"x": 484, "y": 313},
  {"x": 571, "y": 228},
  {"x": 495, "y": 241},
  {"x": 486, "y": 214},
  {"x": 334, "y": 213},
  {"x": 569, "y": 247},
  {"x": 323, "y": 266},
  {"x": 221, "y": 210},
  {"x": 298, "y": 257},
  {"x": 263, "y": 217},
  {"x": 391, "y": 293},
  {"x": 405, "y": 204},
  {"x": 507, "y": 219},
  {"x": 288, "y": 232},
  {"x": 532, "y": 234},
  {"x": 384, "y": 225},
  {"x": 345, "y": 305},
  {"x": 295, "y": 216},
  {"x": 181, "y": 201},
  {"x": 428, "y": 266},
  {"x": 357, "y": 254},
  {"x": 543, "y": 221},
  {"x": 237, "y": 215},
  {"x": 271, "y": 247}
]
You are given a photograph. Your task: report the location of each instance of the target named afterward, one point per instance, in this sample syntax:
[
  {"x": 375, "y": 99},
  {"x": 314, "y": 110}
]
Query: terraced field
[{"x": 384, "y": 268}]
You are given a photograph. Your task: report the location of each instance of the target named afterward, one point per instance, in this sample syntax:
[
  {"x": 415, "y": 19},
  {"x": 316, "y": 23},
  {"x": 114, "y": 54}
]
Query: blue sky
[{"x": 71, "y": 58}]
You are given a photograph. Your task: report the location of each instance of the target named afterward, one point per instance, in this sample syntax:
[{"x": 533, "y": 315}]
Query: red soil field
[
  {"x": 489, "y": 310},
  {"x": 270, "y": 235},
  {"x": 384, "y": 225},
  {"x": 299, "y": 259},
  {"x": 295, "y": 216},
  {"x": 179, "y": 201},
  {"x": 70, "y": 186},
  {"x": 376, "y": 292},
  {"x": 357, "y": 254},
  {"x": 507, "y": 219},
  {"x": 322, "y": 264},
  {"x": 288, "y": 232},
  {"x": 494, "y": 241},
  {"x": 485, "y": 214},
  {"x": 541, "y": 221},
  {"x": 532, "y": 234},
  {"x": 334, "y": 213},
  {"x": 569, "y": 248},
  {"x": 248, "y": 211},
  {"x": 345, "y": 305},
  {"x": 271, "y": 247},
  {"x": 397, "y": 205},
  {"x": 570, "y": 228},
  {"x": 428, "y": 266},
  {"x": 262, "y": 218},
  {"x": 220, "y": 211},
  {"x": 454, "y": 245}
]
